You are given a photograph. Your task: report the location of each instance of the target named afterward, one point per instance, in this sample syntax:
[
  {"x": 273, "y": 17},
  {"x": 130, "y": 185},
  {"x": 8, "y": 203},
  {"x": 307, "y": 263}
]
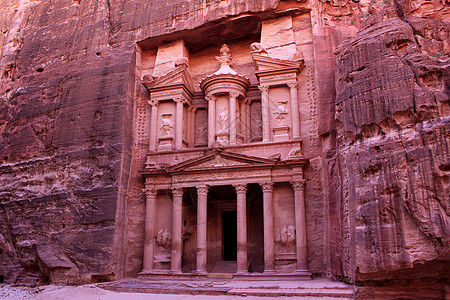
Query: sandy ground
[{"x": 92, "y": 292}]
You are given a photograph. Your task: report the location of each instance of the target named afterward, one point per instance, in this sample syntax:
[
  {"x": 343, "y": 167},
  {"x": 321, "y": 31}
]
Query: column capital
[
  {"x": 177, "y": 191},
  {"x": 298, "y": 184},
  {"x": 293, "y": 85},
  {"x": 234, "y": 95},
  {"x": 210, "y": 97},
  {"x": 202, "y": 190},
  {"x": 263, "y": 88},
  {"x": 153, "y": 102},
  {"x": 149, "y": 192},
  {"x": 266, "y": 186},
  {"x": 240, "y": 188},
  {"x": 179, "y": 99}
]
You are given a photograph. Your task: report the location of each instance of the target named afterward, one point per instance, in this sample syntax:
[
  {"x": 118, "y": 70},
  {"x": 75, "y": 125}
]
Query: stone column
[
  {"x": 191, "y": 126},
  {"x": 177, "y": 243},
  {"x": 211, "y": 119},
  {"x": 242, "y": 266},
  {"x": 294, "y": 110},
  {"x": 232, "y": 121},
  {"x": 247, "y": 121},
  {"x": 202, "y": 196},
  {"x": 300, "y": 225},
  {"x": 269, "y": 245},
  {"x": 179, "y": 123},
  {"x": 149, "y": 233},
  {"x": 265, "y": 110},
  {"x": 153, "y": 126}
]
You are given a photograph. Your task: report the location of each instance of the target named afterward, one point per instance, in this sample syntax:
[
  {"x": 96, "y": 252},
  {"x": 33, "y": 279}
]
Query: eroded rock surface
[
  {"x": 393, "y": 137},
  {"x": 374, "y": 118}
]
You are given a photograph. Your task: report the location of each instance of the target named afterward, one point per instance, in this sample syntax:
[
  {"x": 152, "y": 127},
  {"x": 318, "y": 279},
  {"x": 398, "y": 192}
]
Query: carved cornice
[
  {"x": 298, "y": 184},
  {"x": 177, "y": 191},
  {"x": 267, "y": 186},
  {"x": 202, "y": 190},
  {"x": 240, "y": 188}
]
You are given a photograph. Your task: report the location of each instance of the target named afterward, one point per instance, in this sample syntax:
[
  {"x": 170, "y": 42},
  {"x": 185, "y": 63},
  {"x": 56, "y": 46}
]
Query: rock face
[{"x": 374, "y": 125}]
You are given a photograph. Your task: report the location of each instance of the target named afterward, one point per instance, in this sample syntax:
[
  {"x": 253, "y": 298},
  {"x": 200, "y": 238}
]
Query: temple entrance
[{"x": 229, "y": 229}]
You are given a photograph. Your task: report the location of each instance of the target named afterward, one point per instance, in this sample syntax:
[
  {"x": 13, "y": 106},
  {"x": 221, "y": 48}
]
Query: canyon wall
[{"x": 377, "y": 134}]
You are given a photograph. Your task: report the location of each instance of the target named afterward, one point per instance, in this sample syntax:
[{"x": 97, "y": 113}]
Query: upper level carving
[{"x": 230, "y": 117}]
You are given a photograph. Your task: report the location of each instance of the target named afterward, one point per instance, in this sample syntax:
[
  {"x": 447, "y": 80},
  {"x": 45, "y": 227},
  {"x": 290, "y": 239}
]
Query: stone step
[
  {"x": 334, "y": 293},
  {"x": 219, "y": 276}
]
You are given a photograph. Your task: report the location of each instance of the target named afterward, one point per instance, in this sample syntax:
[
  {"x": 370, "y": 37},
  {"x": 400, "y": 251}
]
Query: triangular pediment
[
  {"x": 180, "y": 75},
  {"x": 266, "y": 63},
  {"x": 220, "y": 159}
]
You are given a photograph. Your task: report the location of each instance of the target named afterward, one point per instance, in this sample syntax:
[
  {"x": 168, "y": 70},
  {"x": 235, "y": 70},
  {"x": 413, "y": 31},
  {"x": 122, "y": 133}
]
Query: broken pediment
[
  {"x": 219, "y": 159},
  {"x": 179, "y": 76},
  {"x": 264, "y": 63}
]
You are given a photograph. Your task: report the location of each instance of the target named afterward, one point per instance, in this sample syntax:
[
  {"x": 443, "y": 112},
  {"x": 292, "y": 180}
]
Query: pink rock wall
[{"x": 71, "y": 205}]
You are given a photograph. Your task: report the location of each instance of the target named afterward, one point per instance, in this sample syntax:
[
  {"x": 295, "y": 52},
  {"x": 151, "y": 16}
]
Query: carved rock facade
[{"x": 95, "y": 96}]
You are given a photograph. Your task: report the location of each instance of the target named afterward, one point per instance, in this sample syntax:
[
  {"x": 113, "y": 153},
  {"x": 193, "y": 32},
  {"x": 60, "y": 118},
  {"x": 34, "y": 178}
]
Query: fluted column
[
  {"x": 265, "y": 110},
  {"x": 269, "y": 245},
  {"x": 233, "y": 121},
  {"x": 294, "y": 109},
  {"x": 179, "y": 123},
  {"x": 211, "y": 119},
  {"x": 153, "y": 125},
  {"x": 241, "y": 190},
  {"x": 149, "y": 233},
  {"x": 202, "y": 196},
  {"x": 175, "y": 264},
  {"x": 300, "y": 225}
]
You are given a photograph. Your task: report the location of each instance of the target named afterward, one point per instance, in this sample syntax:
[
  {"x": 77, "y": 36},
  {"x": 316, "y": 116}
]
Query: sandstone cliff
[{"x": 378, "y": 134}]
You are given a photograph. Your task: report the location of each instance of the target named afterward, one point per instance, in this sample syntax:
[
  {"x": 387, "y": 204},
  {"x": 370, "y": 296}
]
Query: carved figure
[
  {"x": 287, "y": 235},
  {"x": 281, "y": 111},
  {"x": 258, "y": 48},
  {"x": 222, "y": 120},
  {"x": 186, "y": 231},
  {"x": 166, "y": 124},
  {"x": 163, "y": 238},
  {"x": 295, "y": 153}
]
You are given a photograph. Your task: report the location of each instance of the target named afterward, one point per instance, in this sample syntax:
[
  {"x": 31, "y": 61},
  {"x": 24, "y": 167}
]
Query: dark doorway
[{"x": 229, "y": 226}]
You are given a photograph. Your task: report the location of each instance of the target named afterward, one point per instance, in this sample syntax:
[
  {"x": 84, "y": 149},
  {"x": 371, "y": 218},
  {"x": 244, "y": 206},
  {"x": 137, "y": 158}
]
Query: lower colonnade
[{"x": 240, "y": 189}]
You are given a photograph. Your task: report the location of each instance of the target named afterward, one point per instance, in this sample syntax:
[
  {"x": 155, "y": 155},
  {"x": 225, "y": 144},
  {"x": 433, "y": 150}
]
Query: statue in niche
[
  {"x": 166, "y": 124},
  {"x": 287, "y": 236},
  {"x": 222, "y": 120},
  {"x": 163, "y": 238},
  {"x": 281, "y": 111}
]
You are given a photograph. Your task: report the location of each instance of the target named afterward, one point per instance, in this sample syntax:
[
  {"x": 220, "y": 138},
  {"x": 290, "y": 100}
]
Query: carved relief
[
  {"x": 218, "y": 161},
  {"x": 163, "y": 238},
  {"x": 258, "y": 48},
  {"x": 281, "y": 111},
  {"x": 186, "y": 232},
  {"x": 287, "y": 235},
  {"x": 166, "y": 125},
  {"x": 222, "y": 121}
]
